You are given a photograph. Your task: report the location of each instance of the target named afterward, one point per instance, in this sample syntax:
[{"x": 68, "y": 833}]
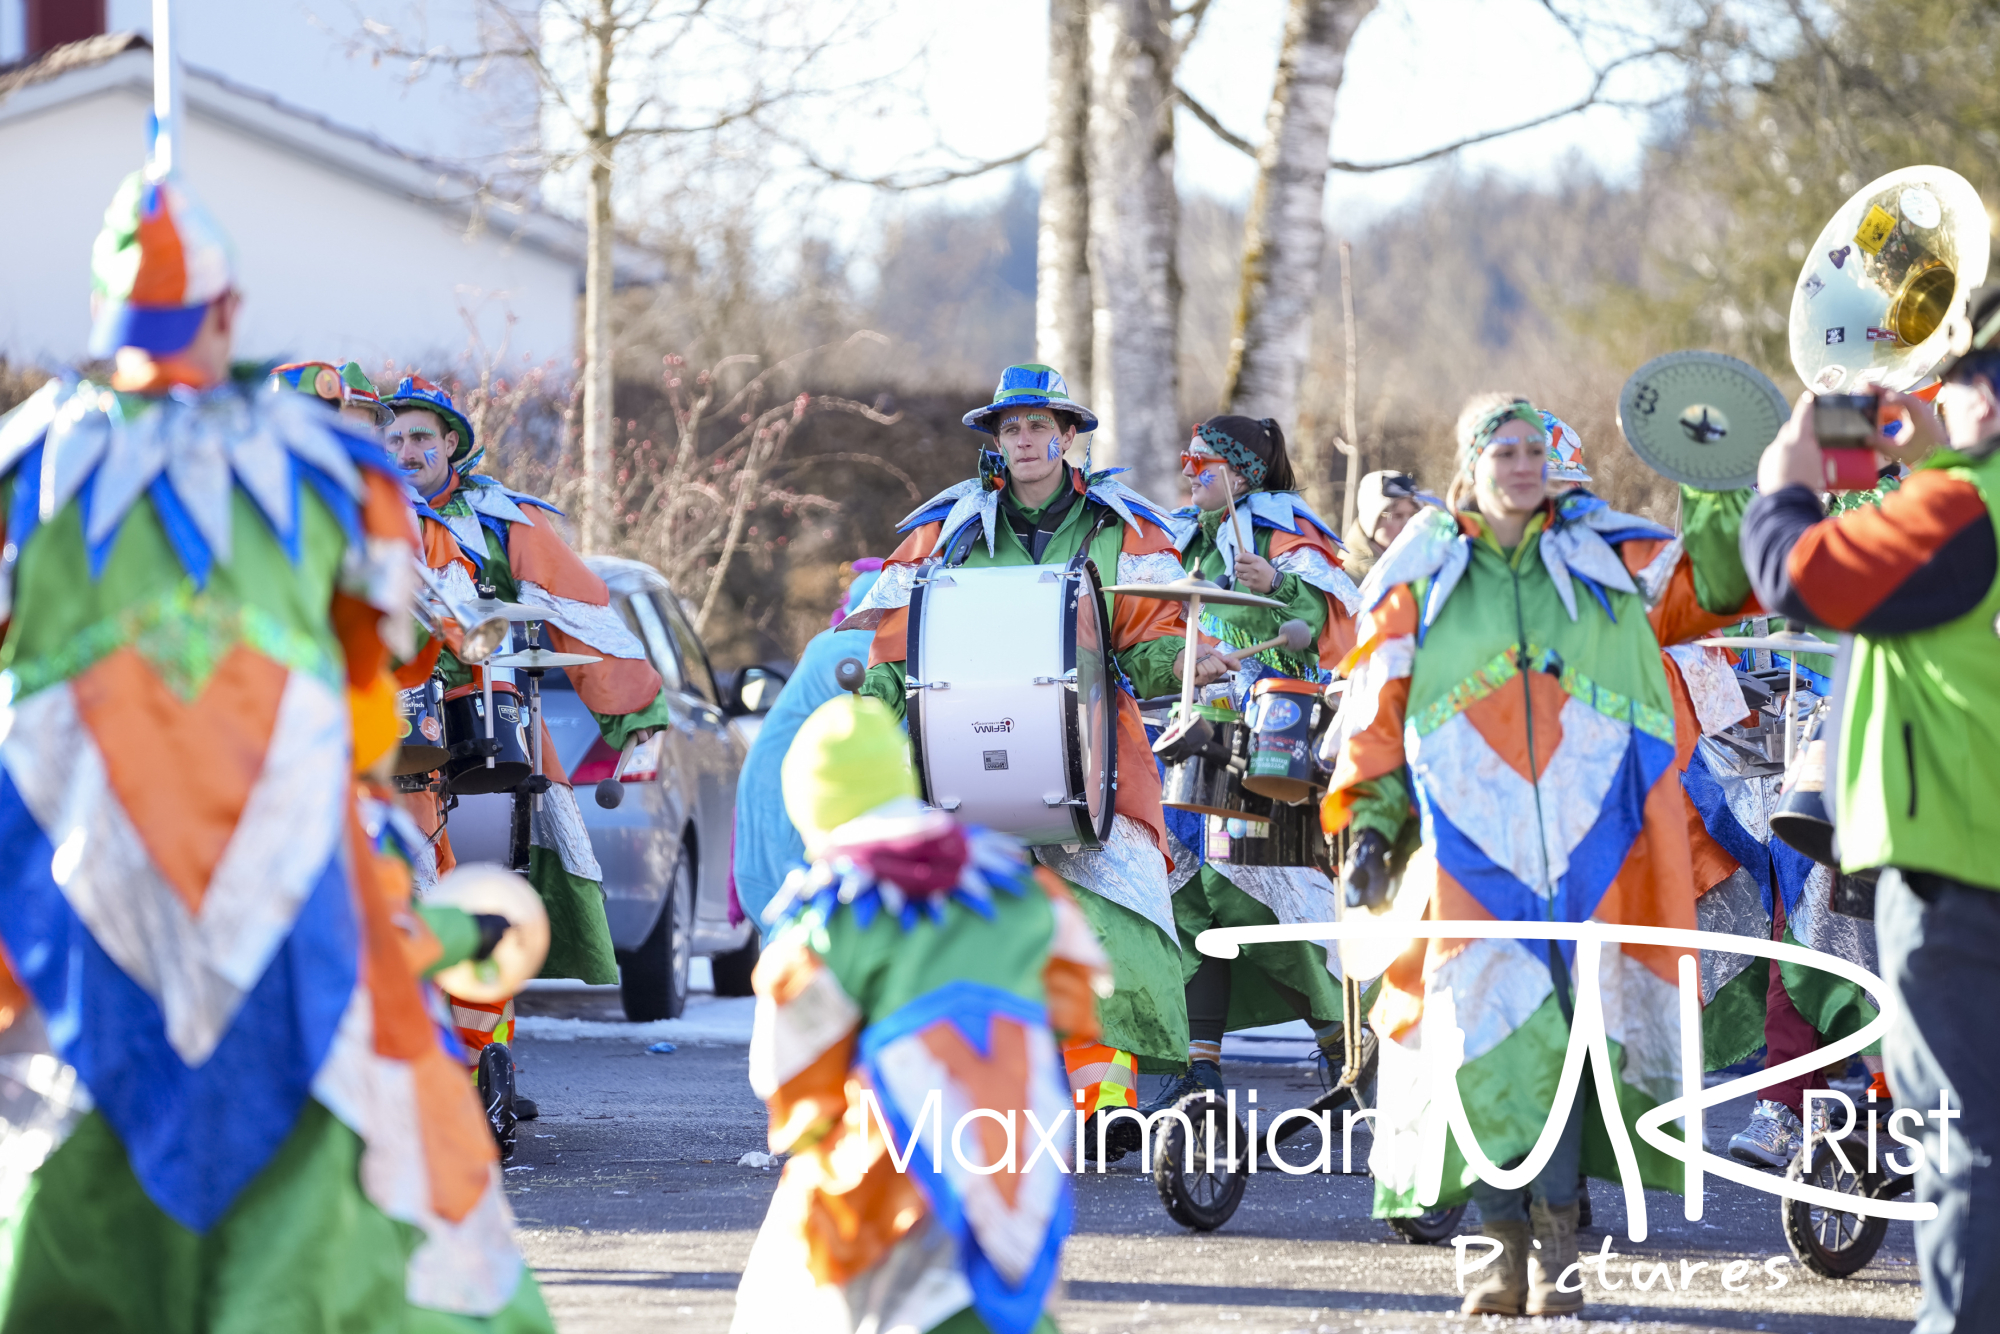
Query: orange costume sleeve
[
  {"x": 1338, "y": 636},
  {"x": 539, "y": 556}
]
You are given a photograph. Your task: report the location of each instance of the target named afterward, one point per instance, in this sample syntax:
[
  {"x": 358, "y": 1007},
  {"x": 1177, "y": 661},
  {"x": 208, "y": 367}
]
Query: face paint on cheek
[
  {"x": 430, "y": 458},
  {"x": 1055, "y": 450},
  {"x": 1206, "y": 477}
]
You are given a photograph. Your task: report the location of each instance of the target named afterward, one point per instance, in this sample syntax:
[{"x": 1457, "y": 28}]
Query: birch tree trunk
[
  {"x": 1284, "y": 236},
  {"x": 596, "y": 530},
  {"x": 1134, "y": 225},
  {"x": 1062, "y": 247}
]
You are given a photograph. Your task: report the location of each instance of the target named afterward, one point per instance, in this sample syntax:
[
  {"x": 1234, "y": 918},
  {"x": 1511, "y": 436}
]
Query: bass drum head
[{"x": 1093, "y": 725}]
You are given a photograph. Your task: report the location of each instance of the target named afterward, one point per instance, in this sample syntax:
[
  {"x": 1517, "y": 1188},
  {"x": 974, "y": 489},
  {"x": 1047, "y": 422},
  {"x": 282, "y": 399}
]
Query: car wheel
[
  {"x": 653, "y": 979},
  {"x": 732, "y": 970}
]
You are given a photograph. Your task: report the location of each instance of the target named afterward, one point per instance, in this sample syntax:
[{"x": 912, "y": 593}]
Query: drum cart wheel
[
  {"x": 1205, "y": 1197},
  {"x": 1830, "y": 1243}
]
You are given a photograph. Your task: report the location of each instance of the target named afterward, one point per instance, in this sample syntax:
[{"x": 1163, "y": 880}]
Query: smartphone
[{"x": 1845, "y": 425}]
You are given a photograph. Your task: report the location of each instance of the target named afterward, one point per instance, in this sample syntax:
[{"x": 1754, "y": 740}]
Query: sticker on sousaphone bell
[
  {"x": 1701, "y": 418},
  {"x": 1873, "y": 233}
]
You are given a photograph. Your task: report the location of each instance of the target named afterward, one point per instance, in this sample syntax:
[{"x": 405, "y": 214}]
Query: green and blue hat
[
  {"x": 1030, "y": 386},
  {"x": 417, "y": 392},
  {"x": 336, "y": 386}
]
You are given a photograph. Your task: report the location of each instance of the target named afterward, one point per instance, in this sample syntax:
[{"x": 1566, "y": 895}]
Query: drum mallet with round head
[
  {"x": 611, "y": 791},
  {"x": 848, "y": 674},
  {"x": 1294, "y": 636}
]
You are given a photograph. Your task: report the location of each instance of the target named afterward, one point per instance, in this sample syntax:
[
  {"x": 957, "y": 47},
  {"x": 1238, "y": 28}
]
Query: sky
[
  {"x": 970, "y": 75},
  {"x": 1419, "y": 73}
]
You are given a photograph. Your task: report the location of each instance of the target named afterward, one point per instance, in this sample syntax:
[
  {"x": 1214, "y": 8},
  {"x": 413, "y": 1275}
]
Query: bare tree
[
  {"x": 619, "y": 75},
  {"x": 1062, "y": 251},
  {"x": 1284, "y": 235},
  {"x": 1135, "y": 288}
]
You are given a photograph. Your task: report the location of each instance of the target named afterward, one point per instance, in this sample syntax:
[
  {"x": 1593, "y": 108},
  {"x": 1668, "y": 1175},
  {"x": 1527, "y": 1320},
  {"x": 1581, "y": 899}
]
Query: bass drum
[{"x": 1012, "y": 706}]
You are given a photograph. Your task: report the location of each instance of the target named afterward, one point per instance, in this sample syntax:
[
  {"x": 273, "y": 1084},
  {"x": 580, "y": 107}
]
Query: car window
[
  {"x": 694, "y": 658},
  {"x": 638, "y": 612}
]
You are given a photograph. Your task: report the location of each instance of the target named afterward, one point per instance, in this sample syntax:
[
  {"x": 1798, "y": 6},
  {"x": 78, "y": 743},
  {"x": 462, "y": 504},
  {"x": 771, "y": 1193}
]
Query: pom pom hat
[
  {"x": 156, "y": 266},
  {"x": 850, "y": 757}
]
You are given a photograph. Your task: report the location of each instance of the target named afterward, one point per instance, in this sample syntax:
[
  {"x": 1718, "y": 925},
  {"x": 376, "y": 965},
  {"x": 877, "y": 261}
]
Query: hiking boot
[
  {"x": 1199, "y": 1076},
  {"x": 1771, "y": 1140},
  {"x": 1553, "y": 1253},
  {"x": 1502, "y": 1285}
]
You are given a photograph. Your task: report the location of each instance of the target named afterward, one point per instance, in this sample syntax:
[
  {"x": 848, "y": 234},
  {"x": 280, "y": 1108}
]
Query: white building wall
[
  {"x": 331, "y": 266},
  {"x": 311, "y": 53}
]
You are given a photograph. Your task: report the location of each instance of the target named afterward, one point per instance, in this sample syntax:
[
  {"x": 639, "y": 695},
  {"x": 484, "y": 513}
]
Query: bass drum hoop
[{"x": 1079, "y": 576}]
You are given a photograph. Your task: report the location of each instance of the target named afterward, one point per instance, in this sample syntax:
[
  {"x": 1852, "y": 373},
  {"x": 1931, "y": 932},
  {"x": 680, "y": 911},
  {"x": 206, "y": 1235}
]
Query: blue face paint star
[
  {"x": 430, "y": 458},
  {"x": 1055, "y": 450}
]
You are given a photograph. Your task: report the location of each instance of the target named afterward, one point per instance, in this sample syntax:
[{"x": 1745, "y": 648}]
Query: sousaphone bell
[{"x": 1874, "y": 299}]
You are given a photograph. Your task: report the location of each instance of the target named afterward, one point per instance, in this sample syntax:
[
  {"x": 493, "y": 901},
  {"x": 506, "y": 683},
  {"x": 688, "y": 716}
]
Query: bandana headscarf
[
  {"x": 1483, "y": 431},
  {"x": 1236, "y": 439}
]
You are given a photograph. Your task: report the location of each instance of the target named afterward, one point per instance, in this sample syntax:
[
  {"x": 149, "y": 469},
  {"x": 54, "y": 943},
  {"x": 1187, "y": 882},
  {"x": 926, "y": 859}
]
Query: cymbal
[
  {"x": 1790, "y": 641},
  {"x": 539, "y": 658},
  {"x": 1187, "y": 590},
  {"x": 1701, "y": 418},
  {"x": 513, "y": 611}
]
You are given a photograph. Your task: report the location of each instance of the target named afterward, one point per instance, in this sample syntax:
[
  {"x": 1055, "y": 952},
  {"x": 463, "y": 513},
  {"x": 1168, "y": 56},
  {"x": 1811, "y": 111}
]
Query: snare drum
[
  {"x": 1283, "y": 710},
  {"x": 420, "y": 728},
  {"x": 1013, "y": 710},
  {"x": 465, "y": 727},
  {"x": 1285, "y": 836},
  {"x": 1210, "y": 783}
]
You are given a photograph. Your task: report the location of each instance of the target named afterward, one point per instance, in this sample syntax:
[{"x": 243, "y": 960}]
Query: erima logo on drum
[{"x": 1004, "y": 725}]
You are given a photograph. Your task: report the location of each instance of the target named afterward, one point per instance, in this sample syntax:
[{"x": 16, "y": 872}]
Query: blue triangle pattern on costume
[
  {"x": 195, "y": 1137},
  {"x": 1593, "y": 863}
]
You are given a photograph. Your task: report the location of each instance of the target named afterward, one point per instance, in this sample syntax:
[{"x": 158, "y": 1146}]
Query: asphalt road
[{"x": 636, "y": 1216}]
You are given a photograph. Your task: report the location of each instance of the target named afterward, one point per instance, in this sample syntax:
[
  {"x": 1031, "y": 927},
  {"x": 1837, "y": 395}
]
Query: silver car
[{"x": 665, "y": 846}]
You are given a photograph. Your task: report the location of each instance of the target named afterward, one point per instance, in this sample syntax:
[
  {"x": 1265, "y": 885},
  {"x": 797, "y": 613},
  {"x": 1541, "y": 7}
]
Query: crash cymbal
[
  {"x": 513, "y": 611},
  {"x": 1701, "y": 418},
  {"x": 539, "y": 659},
  {"x": 1789, "y": 641},
  {"x": 1187, "y": 590}
]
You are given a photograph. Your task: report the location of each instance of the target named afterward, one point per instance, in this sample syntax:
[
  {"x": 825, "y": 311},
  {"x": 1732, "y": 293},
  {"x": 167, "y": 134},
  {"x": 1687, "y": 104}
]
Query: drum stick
[
  {"x": 1229, "y": 494},
  {"x": 1294, "y": 636},
  {"x": 1188, "y": 656},
  {"x": 486, "y": 698},
  {"x": 610, "y": 792}
]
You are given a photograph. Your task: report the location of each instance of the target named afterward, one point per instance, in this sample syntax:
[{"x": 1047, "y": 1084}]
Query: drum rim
[
  {"x": 461, "y": 692},
  {"x": 1285, "y": 685},
  {"x": 1082, "y": 571}
]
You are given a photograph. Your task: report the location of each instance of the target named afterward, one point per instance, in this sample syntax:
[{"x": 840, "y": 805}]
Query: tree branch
[
  {"x": 1593, "y": 98},
  {"x": 1215, "y": 127},
  {"x": 902, "y": 184}
]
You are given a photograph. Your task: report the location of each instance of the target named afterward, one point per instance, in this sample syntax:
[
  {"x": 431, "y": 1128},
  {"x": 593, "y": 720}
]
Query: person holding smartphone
[{"x": 1915, "y": 762}]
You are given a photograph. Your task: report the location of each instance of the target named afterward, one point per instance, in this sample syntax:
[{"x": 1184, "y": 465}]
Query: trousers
[{"x": 1940, "y": 944}]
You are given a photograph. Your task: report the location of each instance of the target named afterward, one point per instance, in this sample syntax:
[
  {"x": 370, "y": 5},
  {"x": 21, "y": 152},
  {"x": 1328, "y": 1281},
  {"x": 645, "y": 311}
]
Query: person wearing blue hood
[{"x": 767, "y": 844}]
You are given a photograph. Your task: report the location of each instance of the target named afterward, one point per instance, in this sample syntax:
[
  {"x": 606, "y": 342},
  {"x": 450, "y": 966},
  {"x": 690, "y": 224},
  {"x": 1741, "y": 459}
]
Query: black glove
[
  {"x": 1366, "y": 874},
  {"x": 491, "y": 926}
]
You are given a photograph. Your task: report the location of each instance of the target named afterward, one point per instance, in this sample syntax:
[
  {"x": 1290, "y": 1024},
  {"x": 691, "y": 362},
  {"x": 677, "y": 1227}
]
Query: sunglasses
[{"x": 1200, "y": 460}]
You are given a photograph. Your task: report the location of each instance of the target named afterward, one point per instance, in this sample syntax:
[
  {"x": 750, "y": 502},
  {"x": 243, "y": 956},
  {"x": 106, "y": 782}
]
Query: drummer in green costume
[
  {"x": 479, "y": 536},
  {"x": 1240, "y": 479},
  {"x": 1030, "y": 506}
]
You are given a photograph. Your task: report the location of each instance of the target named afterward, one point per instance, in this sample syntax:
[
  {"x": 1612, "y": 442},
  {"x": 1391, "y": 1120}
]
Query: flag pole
[{"x": 166, "y": 92}]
